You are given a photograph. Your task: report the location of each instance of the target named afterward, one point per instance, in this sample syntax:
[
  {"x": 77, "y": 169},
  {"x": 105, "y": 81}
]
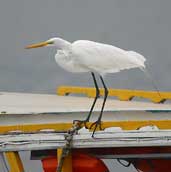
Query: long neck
[{"x": 62, "y": 44}]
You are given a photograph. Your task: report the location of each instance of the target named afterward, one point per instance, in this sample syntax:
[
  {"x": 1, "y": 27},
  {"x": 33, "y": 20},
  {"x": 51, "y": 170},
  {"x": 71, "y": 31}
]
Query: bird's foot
[
  {"x": 81, "y": 123},
  {"x": 96, "y": 124}
]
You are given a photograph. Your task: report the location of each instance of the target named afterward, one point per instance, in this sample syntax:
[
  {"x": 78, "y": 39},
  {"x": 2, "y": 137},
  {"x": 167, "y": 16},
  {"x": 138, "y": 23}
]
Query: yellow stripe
[
  {"x": 125, "y": 125},
  {"x": 35, "y": 127},
  {"x": 14, "y": 162},
  {"x": 119, "y": 93}
]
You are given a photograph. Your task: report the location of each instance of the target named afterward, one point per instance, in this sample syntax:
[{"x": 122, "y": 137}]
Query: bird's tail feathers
[
  {"x": 149, "y": 76},
  {"x": 137, "y": 55}
]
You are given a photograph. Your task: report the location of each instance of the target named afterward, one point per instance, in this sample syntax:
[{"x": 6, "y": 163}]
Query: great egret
[{"x": 93, "y": 57}]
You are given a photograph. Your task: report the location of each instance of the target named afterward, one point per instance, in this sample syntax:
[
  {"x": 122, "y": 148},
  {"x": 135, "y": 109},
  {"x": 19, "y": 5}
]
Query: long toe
[
  {"x": 94, "y": 130},
  {"x": 96, "y": 125}
]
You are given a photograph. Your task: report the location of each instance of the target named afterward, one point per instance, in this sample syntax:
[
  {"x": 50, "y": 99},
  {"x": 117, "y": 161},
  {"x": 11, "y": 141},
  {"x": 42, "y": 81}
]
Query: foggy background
[{"x": 142, "y": 26}]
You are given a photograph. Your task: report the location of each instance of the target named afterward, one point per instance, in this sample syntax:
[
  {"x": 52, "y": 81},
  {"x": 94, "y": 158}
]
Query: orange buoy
[{"x": 80, "y": 162}]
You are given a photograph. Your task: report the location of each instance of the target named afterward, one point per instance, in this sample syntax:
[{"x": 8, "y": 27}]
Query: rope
[{"x": 67, "y": 148}]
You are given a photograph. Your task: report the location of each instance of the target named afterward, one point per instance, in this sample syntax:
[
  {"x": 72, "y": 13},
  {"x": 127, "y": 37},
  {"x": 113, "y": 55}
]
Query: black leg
[
  {"x": 98, "y": 122},
  {"x": 94, "y": 102},
  {"x": 96, "y": 97}
]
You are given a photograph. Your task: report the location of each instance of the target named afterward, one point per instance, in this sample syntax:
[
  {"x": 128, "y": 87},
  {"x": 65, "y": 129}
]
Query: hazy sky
[{"x": 142, "y": 26}]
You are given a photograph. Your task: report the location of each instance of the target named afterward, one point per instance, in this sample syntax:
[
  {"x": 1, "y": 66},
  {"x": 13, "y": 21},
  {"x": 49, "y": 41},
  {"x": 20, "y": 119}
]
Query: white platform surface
[{"x": 21, "y": 103}]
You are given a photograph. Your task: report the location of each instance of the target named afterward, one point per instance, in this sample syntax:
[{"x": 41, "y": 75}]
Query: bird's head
[{"x": 53, "y": 42}]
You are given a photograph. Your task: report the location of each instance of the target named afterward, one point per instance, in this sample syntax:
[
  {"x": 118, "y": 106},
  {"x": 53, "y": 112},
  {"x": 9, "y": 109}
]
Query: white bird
[{"x": 93, "y": 57}]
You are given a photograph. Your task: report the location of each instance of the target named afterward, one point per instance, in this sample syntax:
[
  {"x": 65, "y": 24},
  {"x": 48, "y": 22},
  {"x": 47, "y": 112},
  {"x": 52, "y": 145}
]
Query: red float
[
  {"x": 153, "y": 165},
  {"x": 84, "y": 162},
  {"x": 80, "y": 163}
]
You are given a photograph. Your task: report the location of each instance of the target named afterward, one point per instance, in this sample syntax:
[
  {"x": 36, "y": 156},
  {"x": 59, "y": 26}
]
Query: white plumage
[{"x": 85, "y": 56}]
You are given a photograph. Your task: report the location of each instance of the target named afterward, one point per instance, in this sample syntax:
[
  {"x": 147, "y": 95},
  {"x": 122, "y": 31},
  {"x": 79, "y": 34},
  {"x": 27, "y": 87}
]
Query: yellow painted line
[
  {"x": 125, "y": 125},
  {"x": 121, "y": 94},
  {"x": 67, "y": 164},
  {"x": 14, "y": 162},
  {"x": 35, "y": 127}
]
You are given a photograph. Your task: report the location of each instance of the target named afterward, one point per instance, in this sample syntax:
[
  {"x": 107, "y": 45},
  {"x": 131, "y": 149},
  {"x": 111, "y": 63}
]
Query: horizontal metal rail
[
  {"x": 137, "y": 156},
  {"x": 53, "y": 140},
  {"x": 121, "y": 94}
]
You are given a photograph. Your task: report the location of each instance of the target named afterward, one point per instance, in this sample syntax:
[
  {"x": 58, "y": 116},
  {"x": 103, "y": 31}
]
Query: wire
[{"x": 149, "y": 76}]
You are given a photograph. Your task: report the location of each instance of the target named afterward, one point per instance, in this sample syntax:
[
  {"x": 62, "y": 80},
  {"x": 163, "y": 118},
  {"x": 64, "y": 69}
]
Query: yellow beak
[{"x": 41, "y": 44}]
